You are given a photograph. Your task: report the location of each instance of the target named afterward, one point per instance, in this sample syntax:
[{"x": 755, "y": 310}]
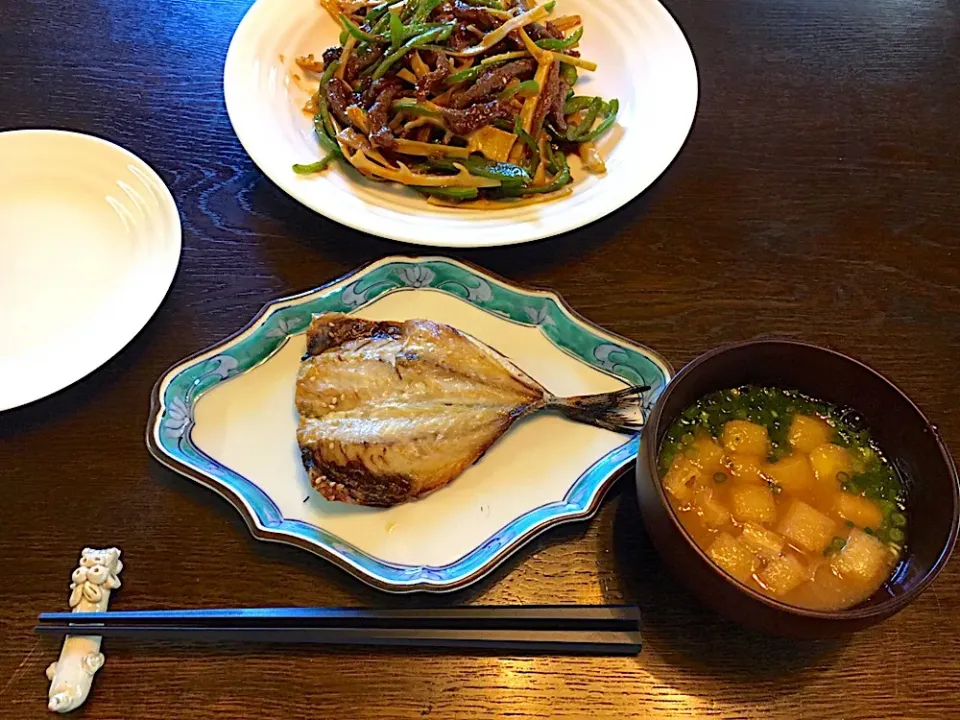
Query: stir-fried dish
[{"x": 469, "y": 102}]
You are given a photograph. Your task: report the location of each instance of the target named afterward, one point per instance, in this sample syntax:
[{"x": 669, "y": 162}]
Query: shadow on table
[
  {"x": 686, "y": 634},
  {"x": 351, "y": 248}
]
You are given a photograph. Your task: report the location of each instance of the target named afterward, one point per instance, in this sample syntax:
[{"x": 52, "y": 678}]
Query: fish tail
[{"x": 620, "y": 411}]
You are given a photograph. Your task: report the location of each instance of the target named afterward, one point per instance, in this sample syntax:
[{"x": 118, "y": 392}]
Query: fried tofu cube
[
  {"x": 784, "y": 574},
  {"x": 741, "y": 436},
  {"x": 807, "y": 528},
  {"x": 863, "y": 558},
  {"x": 861, "y": 511},
  {"x": 807, "y": 433},
  {"x": 765, "y": 543},
  {"x": 753, "y": 503},
  {"x": 732, "y": 555},
  {"x": 711, "y": 511},
  {"x": 793, "y": 473},
  {"x": 681, "y": 481},
  {"x": 706, "y": 454},
  {"x": 828, "y": 461},
  {"x": 746, "y": 468}
]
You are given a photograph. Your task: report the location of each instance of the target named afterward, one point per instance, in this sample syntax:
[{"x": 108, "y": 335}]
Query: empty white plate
[
  {"x": 89, "y": 244},
  {"x": 643, "y": 60}
]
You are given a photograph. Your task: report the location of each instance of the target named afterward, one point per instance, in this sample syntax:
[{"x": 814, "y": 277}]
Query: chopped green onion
[
  {"x": 835, "y": 546},
  {"x": 896, "y": 535},
  {"x": 565, "y": 44},
  {"x": 720, "y": 477},
  {"x": 898, "y": 519}
]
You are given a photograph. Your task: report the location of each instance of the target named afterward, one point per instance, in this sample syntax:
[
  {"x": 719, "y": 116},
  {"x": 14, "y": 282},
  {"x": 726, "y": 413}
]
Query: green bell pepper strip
[
  {"x": 356, "y": 31},
  {"x": 561, "y": 179},
  {"x": 553, "y": 44},
  {"x": 524, "y": 89},
  {"x": 568, "y": 73},
  {"x": 465, "y": 75},
  {"x": 414, "y": 108},
  {"x": 576, "y": 104},
  {"x": 438, "y": 33},
  {"x": 322, "y": 122},
  {"x": 452, "y": 193},
  {"x": 609, "y": 117},
  {"x": 396, "y": 31},
  {"x": 424, "y": 8},
  {"x": 575, "y": 133},
  {"x": 510, "y": 176},
  {"x": 379, "y": 12},
  {"x": 314, "y": 167},
  {"x": 525, "y": 137},
  {"x": 495, "y": 4}
]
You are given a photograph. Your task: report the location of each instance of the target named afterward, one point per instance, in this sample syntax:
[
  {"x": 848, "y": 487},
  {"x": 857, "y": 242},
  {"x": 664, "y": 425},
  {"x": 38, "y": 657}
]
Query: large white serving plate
[
  {"x": 226, "y": 418},
  {"x": 644, "y": 61},
  {"x": 89, "y": 244}
]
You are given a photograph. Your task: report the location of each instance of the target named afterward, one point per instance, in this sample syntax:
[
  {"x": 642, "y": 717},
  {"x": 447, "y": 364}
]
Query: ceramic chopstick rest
[{"x": 72, "y": 675}]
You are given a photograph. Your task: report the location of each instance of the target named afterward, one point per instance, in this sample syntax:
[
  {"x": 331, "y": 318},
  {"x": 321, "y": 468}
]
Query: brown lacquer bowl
[{"x": 902, "y": 431}]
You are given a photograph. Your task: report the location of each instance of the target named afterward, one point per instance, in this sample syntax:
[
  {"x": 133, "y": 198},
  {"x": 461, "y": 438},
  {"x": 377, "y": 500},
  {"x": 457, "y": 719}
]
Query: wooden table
[{"x": 817, "y": 197}]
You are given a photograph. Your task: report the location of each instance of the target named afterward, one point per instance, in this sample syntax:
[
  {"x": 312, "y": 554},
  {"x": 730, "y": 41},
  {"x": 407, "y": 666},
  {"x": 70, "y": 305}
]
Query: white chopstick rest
[{"x": 72, "y": 675}]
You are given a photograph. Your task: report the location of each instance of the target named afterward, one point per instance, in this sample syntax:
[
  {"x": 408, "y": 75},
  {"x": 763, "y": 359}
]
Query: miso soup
[{"x": 789, "y": 495}]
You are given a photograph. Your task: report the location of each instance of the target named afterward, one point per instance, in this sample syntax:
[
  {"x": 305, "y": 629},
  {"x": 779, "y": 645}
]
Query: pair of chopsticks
[{"x": 558, "y": 629}]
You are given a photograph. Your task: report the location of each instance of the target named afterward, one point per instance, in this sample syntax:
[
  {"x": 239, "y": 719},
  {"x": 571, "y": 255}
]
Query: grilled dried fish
[{"x": 390, "y": 411}]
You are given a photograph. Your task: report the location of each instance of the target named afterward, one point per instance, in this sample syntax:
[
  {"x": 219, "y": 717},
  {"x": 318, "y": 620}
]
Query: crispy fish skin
[{"x": 390, "y": 411}]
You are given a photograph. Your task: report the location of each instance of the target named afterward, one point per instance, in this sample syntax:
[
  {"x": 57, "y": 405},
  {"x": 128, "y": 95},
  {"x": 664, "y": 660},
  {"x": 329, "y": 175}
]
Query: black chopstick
[
  {"x": 533, "y": 617},
  {"x": 556, "y": 642}
]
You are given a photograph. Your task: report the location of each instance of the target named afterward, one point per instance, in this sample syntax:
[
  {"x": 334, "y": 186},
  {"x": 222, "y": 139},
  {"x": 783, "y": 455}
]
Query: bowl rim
[{"x": 885, "y": 608}]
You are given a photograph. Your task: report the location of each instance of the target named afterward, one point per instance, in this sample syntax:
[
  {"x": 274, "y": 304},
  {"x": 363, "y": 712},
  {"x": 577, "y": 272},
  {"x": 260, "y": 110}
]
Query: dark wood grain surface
[{"x": 817, "y": 197}]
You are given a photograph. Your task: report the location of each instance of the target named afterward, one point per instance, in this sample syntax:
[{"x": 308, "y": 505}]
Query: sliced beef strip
[
  {"x": 360, "y": 62},
  {"x": 555, "y": 113},
  {"x": 492, "y": 81},
  {"x": 380, "y": 133},
  {"x": 474, "y": 15},
  {"x": 340, "y": 97},
  {"x": 548, "y": 31},
  {"x": 464, "y": 122},
  {"x": 332, "y": 54},
  {"x": 432, "y": 81},
  {"x": 548, "y": 98}
]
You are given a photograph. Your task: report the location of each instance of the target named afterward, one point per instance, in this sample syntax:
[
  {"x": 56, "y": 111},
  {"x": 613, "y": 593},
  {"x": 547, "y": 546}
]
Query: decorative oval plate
[
  {"x": 226, "y": 419},
  {"x": 643, "y": 60}
]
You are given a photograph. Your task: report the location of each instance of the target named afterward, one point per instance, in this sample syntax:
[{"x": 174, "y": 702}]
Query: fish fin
[{"x": 620, "y": 411}]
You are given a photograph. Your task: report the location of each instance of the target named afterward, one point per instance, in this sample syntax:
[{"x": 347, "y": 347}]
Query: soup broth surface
[{"x": 789, "y": 495}]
